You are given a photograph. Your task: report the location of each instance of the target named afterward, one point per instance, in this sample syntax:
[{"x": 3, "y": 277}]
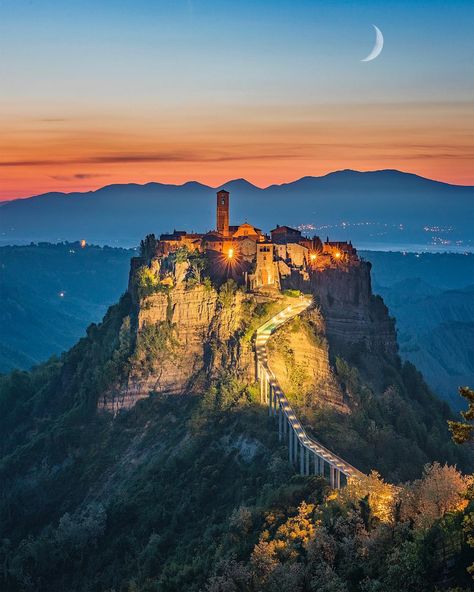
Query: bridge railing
[{"x": 304, "y": 450}]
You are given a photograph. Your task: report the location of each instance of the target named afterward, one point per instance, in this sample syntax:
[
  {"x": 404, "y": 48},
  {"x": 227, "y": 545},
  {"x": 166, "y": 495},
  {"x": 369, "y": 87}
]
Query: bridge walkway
[{"x": 311, "y": 456}]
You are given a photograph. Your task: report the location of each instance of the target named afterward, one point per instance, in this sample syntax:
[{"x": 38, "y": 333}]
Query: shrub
[{"x": 148, "y": 283}]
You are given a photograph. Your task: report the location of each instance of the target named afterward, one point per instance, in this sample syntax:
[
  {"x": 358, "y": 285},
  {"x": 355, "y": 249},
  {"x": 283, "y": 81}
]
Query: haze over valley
[{"x": 382, "y": 209}]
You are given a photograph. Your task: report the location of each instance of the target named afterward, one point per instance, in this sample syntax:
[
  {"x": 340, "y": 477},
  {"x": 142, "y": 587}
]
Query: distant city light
[
  {"x": 61, "y": 294},
  {"x": 83, "y": 243}
]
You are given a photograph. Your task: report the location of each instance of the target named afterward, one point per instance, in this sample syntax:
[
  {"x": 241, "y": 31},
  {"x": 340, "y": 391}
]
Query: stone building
[
  {"x": 266, "y": 273},
  {"x": 285, "y": 234},
  {"x": 260, "y": 260}
]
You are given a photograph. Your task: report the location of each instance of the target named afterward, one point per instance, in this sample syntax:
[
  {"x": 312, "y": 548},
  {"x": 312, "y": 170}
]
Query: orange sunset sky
[
  {"x": 208, "y": 91},
  {"x": 63, "y": 151}
]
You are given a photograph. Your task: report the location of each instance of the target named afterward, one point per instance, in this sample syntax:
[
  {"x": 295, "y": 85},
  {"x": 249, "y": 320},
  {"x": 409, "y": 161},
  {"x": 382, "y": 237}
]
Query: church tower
[{"x": 223, "y": 212}]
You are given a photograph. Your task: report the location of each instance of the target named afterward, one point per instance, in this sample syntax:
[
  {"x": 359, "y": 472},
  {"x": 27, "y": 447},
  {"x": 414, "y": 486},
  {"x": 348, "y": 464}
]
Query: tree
[
  {"x": 197, "y": 264},
  {"x": 461, "y": 431},
  {"x": 148, "y": 247},
  {"x": 440, "y": 490},
  {"x": 381, "y": 496}
]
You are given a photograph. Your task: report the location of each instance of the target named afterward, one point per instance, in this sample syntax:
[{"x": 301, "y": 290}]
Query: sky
[{"x": 119, "y": 91}]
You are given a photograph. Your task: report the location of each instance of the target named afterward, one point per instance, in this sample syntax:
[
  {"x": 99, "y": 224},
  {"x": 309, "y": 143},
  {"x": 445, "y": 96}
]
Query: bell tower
[{"x": 223, "y": 212}]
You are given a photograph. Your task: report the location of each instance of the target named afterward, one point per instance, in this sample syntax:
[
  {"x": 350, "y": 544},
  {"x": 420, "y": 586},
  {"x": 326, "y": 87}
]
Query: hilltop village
[
  {"x": 263, "y": 262},
  {"x": 194, "y": 297}
]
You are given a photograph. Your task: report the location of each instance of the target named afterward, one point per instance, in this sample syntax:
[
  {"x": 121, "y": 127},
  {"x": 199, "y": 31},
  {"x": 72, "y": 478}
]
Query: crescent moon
[{"x": 377, "y": 47}]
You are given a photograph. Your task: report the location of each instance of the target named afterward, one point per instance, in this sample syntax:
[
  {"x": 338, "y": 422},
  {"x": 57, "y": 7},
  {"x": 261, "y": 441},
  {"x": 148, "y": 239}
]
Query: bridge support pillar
[
  {"x": 290, "y": 445},
  {"x": 295, "y": 447},
  {"x": 302, "y": 451},
  {"x": 280, "y": 423},
  {"x": 307, "y": 462},
  {"x": 270, "y": 395},
  {"x": 338, "y": 479}
]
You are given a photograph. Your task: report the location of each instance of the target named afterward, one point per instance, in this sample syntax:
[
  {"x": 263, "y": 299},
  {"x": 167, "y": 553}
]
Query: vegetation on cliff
[
  {"x": 196, "y": 494},
  {"x": 394, "y": 424}
]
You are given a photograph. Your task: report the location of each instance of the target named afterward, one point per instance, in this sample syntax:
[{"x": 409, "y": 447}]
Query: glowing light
[
  {"x": 337, "y": 254},
  {"x": 83, "y": 243},
  {"x": 230, "y": 253},
  {"x": 61, "y": 294},
  {"x": 312, "y": 256}
]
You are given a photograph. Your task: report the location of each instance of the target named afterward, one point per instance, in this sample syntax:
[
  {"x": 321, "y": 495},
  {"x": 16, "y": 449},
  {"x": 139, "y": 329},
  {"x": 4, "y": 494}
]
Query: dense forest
[{"x": 195, "y": 493}]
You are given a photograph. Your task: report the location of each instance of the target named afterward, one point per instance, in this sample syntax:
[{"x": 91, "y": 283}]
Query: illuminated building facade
[{"x": 262, "y": 261}]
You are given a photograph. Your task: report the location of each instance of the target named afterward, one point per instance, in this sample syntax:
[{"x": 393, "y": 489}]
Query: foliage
[
  {"x": 148, "y": 247},
  {"x": 462, "y": 431},
  {"x": 339, "y": 543},
  {"x": 226, "y": 392},
  {"x": 227, "y": 293},
  {"x": 198, "y": 264},
  {"x": 292, "y": 293},
  {"x": 196, "y": 495},
  {"x": 148, "y": 283},
  {"x": 381, "y": 496},
  {"x": 441, "y": 490},
  {"x": 154, "y": 343}
]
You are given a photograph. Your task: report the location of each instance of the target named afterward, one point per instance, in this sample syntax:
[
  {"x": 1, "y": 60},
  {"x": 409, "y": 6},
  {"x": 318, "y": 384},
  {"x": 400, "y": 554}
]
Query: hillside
[
  {"x": 433, "y": 303},
  {"x": 387, "y": 207},
  {"x": 172, "y": 492},
  {"x": 50, "y": 294},
  {"x": 36, "y": 323}
]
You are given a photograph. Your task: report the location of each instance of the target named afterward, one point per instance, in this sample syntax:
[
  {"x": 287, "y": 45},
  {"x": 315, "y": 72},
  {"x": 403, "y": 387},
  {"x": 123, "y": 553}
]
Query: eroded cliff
[
  {"x": 183, "y": 334},
  {"x": 299, "y": 356},
  {"x": 353, "y": 316},
  {"x": 184, "y": 330}
]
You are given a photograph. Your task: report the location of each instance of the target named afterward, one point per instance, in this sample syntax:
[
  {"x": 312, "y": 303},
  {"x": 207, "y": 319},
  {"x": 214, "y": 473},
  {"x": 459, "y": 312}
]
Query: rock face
[
  {"x": 183, "y": 338},
  {"x": 352, "y": 314},
  {"x": 184, "y": 332},
  {"x": 299, "y": 356}
]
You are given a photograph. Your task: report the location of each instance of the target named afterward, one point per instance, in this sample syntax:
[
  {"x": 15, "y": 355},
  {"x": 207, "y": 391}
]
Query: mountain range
[{"x": 386, "y": 206}]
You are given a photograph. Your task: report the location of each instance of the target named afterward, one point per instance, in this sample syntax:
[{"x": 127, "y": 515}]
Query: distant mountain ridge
[{"x": 384, "y": 205}]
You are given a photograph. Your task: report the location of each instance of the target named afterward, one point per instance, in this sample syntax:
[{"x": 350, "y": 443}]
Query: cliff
[
  {"x": 158, "y": 497},
  {"x": 183, "y": 337},
  {"x": 186, "y": 330},
  {"x": 299, "y": 356},
  {"x": 353, "y": 316}
]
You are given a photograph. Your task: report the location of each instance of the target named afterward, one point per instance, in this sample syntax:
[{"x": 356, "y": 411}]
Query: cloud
[
  {"x": 253, "y": 152},
  {"x": 78, "y": 176},
  {"x": 157, "y": 157}
]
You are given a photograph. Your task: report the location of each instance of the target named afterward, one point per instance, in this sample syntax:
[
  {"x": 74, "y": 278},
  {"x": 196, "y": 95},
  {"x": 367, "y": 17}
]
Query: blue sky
[{"x": 171, "y": 62}]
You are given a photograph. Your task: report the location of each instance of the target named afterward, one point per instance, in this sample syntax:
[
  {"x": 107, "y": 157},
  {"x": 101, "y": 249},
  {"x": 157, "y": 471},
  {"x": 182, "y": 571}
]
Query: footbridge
[{"x": 304, "y": 452}]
